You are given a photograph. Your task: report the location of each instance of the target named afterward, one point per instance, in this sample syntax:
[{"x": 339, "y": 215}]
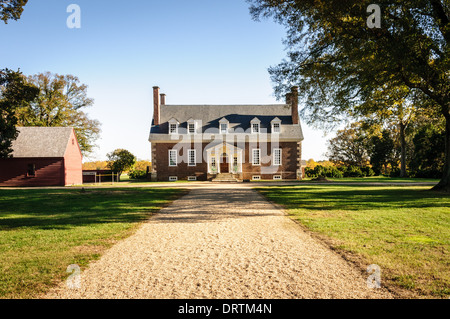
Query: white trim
[
  {"x": 221, "y": 130},
  {"x": 277, "y": 177},
  {"x": 257, "y": 122},
  {"x": 173, "y": 178},
  {"x": 279, "y": 128},
  {"x": 274, "y": 157},
  {"x": 256, "y": 177},
  {"x": 189, "y": 158},
  {"x": 176, "y": 158},
  {"x": 170, "y": 128},
  {"x": 192, "y": 178},
  {"x": 189, "y": 128},
  {"x": 259, "y": 157}
]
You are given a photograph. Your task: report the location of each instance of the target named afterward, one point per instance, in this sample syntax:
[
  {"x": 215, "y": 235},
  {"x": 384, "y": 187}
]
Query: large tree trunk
[
  {"x": 444, "y": 184},
  {"x": 403, "y": 149}
]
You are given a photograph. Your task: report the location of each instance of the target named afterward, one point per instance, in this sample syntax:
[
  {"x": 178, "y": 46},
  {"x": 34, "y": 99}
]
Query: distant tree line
[{"x": 415, "y": 151}]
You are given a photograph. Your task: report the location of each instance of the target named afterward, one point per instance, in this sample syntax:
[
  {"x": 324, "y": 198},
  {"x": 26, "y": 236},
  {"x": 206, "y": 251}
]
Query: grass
[
  {"x": 404, "y": 230},
  {"x": 381, "y": 179},
  {"x": 42, "y": 232}
]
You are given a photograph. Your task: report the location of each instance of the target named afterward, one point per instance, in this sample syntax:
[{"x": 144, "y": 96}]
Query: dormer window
[
  {"x": 173, "y": 126},
  {"x": 191, "y": 126},
  {"x": 223, "y": 126},
  {"x": 256, "y": 126},
  {"x": 276, "y": 125}
]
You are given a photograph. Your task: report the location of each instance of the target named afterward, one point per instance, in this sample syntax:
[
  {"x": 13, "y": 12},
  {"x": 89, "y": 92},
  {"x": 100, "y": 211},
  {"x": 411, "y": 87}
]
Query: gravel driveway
[{"x": 220, "y": 242}]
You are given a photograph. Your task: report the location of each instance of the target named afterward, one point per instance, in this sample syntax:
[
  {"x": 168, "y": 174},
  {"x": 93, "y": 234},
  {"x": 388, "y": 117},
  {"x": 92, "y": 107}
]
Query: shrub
[
  {"x": 353, "y": 171},
  {"x": 137, "y": 174},
  {"x": 368, "y": 171},
  {"x": 321, "y": 171}
]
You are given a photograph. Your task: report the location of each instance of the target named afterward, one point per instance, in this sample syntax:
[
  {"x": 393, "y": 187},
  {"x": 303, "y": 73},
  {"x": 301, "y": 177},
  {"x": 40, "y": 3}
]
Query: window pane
[
  {"x": 223, "y": 128},
  {"x": 276, "y": 128},
  {"x": 192, "y": 128},
  {"x": 255, "y": 128},
  {"x": 173, "y": 128},
  {"x": 277, "y": 157},
  {"x": 191, "y": 155},
  {"x": 172, "y": 158},
  {"x": 256, "y": 159}
]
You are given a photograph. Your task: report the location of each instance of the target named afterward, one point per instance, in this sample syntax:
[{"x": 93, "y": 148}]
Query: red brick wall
[
  {"x": 73, "y": 163},
  {"x": 288, "y": 169},
  {"x": 49, "y": 172}
]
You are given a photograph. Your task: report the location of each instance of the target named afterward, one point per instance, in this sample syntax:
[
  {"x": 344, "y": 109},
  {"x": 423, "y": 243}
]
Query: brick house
[
  {"x": 43, "y": 156},
  {"x": 226, "y": 142}
]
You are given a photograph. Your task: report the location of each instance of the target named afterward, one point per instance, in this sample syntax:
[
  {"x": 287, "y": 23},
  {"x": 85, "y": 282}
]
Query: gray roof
[
  {"x": 239, "y": 117},
  {"x": 41, "y": 142}
]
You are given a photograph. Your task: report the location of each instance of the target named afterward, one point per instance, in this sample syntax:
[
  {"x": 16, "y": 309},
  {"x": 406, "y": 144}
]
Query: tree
[
  {"x": 349, "y": 147},
  {"x": 121, "y": 161},
  {"x": 381, "y": 152},
  {"x": 61, "y": 102},
  {"x": 428, "y": 158},
  {"x": 339, "y": 62},
  {"x": 15, "y": 92},
  {"x": 11, "y": 9}
]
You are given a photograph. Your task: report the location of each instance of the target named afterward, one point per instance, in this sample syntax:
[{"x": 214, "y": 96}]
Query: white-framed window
[
  {"x": 256, "y": 157},
  {"x": 173, "y": 178},
  {"x": 256, "y": 177},
  {"x": 192, "y": 178},
  {"x": 173, "y": 160},
  {"x": 276, "y": 128},
  {"x": 255, "y": 128},
  {"x": 191, "y": 128},
  {"x": 277, "y": 156},
  {"x": 277, "y": 177},
  {"x": 276, "y": 125},
  {"x": 223, "y": 128},
  {"x": 191, "y": 158},
  {"x": 173, "y": 128}
]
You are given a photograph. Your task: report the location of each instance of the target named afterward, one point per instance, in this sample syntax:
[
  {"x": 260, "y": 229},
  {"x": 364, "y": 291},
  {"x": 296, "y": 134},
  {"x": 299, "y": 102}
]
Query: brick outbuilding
[{"x": 43, "y": 156}]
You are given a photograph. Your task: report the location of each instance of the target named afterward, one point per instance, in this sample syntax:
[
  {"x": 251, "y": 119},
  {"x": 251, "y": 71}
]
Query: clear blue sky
[{"x": 197, "y": 52}]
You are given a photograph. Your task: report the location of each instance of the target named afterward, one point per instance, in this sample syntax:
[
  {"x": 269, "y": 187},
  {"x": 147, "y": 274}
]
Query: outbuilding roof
[{"x": 50, "y": 142}]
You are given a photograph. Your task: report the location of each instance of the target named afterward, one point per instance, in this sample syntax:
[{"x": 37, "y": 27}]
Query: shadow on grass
[
  {"x": 345, "y": 197},
  {"x": 65, "y": 209}
]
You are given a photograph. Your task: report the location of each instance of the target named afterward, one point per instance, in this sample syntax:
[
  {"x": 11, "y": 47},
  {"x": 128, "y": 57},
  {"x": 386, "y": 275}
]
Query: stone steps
[{"x": 225, "y": 178}]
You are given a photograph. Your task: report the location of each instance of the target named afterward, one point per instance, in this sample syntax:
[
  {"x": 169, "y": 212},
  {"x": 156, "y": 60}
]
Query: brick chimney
[
  {"x": 156, "y": 106},
  {"x": 294, "y": 104},
  {"x": 163, "y": 99}
]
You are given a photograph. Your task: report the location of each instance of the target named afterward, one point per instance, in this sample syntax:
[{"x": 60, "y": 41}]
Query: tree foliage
[
  {"x": 121, "y": 160},
  {"x": 11, "y": 9},
  {"x": 382, "y": 152},
  {"x": 15, "y": 92},
  {"x": 61, "y": 102},
  {"x": 349, "y": 147},
  {"x": 340, "y": 64}
]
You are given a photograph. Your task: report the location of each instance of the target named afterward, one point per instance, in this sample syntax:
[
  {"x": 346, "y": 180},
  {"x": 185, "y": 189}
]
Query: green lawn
[
  {"x": 42, "y": 232},
  {"x": 381, "y": 179},
  {"x": 404, "y": 230}
]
